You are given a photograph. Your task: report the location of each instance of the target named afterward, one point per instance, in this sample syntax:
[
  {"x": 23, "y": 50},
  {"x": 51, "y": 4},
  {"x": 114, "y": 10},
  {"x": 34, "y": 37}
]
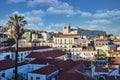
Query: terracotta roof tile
[
  {"x": 88, "y": 48},
  {"x": 86, "y": 63},
  {"x": 46, "y": 54},
  {"x": 76, "y": 46},
  {"x": 46, "y": 61},
  {"x": 74, "y": 76},
  {"x": 3, "y": 47},
  {"x": 101, "y": 69},
  {"x": 110, "y": 78},
  {"x": 114, "y": 60},
  {"x": 65, "y": 65},
  {"x": 118, "y": 77},
  {"x": 6, "y": 64},
  {"x": 113, "y": 52},
  {"x": 46, "y": 70},
  {"x": 101, "y": 40},
  {"x": 28, "y": 48},
  {"x": 70, "y": 35}
]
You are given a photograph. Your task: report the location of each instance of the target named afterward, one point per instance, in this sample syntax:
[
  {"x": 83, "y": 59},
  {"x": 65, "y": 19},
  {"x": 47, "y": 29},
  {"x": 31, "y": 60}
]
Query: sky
[{"x": 52, "y": 15}]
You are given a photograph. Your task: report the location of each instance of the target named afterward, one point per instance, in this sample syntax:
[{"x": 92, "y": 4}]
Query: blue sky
[{"x": 52, "y": 15}]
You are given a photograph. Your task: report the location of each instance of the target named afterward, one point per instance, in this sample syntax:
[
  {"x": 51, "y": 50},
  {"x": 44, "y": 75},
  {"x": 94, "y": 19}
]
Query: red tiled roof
[
  {"x": 110, "y": 78},
  {"x": 76, "y": 46},
  {"x": 113, "y": 52},
  {"x": 35, "y": 55},
  {"x": 4, "y": 47},
  {"x": 6, "y": 64},
  {"x": 116, "y": 40},
  {"x": 72, "y": 35},
  {"x": 45, "y": 61},
  {"x": 78, "y": 67},
  {"x": 88, "y": 48},
  {"x": 118, "y": 77},
  {"x": 65, "y": 65},
  {"x": 99, "y": 55},
  {"x": 101, "y": 40},
  {"x": 46, "y": 70},
  {"x": 86, "y": 63},
  {"x": 74, "y": 76},
  {"x": 50, "y": 39},
  {"x": 22, "y": 63},
  {"x": 46, "y": 54},
  {"x": 28, "y": 48},
  {"x": 101, "y": 69},
  {"x": 40, "y": 61},
  {"x": 114, "y": 60}
]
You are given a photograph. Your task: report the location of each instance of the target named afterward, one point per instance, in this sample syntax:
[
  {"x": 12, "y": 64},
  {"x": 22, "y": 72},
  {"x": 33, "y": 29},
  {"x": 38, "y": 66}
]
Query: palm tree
[
  {"x": 9, "y": 23},
  {"x": 17, "y": 22}
]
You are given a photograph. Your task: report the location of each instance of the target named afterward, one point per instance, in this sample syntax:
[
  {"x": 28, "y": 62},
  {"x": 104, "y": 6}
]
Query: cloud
[
  {"x": 102, "y": 13},
  {"x": 36, "y": 12},
  {"x": 107, "y": 20},
  {"x": 33, "y": 18},
  {"x": 55, "y": 27},
  {"x": 50, "y": 3},
  {"x": 54, "y": 7},
  {"x": 84, "y": 14},
  {"x": 16, "y": 1},
  {"x": 99, "y": 21},
  {"x": 52, "y": 10},
  {"x": 3, "y": 23},
  {"x": 33, "y": 3}
]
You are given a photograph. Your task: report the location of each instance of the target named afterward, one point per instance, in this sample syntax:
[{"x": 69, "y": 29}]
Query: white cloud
[
  {"x": 107, "y": 20},
  {"x": 16, "y": 1},
  {"x": 54, "y": 6},
  {"x": 36, "y": 12},
  {"x": 50, "y": 3},
  {"x": 33, "y": 3},
  {"x": 106, "y": 13},
  {"x": 55, "y": 27},
  {"x": 3, "y": 23},
  {"x": 99, "y": 21},
  {"x": 33, "y": 18},
  {"x": 101, "y": 14},
  {"x": 18, "y": 13},
  {"x": 52, "y": 10},
  {"x": 84, "y": 14}
]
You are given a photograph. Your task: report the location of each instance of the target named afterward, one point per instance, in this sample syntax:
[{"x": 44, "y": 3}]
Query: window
[
  {"x": 3, "y": 74},
  {"x": 21, "y": 59},
  {"x": 7, "y": 57},
  {"x": 21, "y": 54},
  {"x": 12, "y": 56},
  {"x": 31, "y": 78},
  {"x": 37, "y": 78}
]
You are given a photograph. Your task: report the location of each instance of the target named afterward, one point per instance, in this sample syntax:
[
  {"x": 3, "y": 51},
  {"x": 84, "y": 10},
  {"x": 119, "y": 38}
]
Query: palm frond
[
  {"x": 20, "y": 18},
  {"x": 11, "y": 18},
  {"x": 9, "y": 23},
  {"x": 23, "y": 23}
]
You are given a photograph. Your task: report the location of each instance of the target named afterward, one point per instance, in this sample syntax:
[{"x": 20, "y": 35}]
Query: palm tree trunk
[{"x": 16, "y": 60}]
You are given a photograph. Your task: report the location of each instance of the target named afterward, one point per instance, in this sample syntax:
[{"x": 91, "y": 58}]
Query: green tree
[
  {"x": 10, "y": 24},
  {"x": 17, "y": 22}
]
